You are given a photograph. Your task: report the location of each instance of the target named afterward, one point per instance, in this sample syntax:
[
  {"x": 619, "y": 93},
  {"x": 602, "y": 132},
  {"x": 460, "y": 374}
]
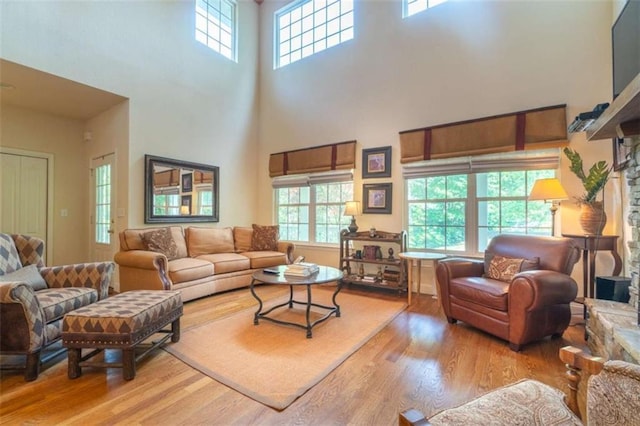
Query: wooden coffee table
[{"x": 324, "y": 275}]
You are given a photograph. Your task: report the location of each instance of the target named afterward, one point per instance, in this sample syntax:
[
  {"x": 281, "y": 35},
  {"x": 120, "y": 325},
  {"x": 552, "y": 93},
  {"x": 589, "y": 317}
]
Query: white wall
[
  {"x": 460, "y": 60},
  {"x": 185, "y": 101}
]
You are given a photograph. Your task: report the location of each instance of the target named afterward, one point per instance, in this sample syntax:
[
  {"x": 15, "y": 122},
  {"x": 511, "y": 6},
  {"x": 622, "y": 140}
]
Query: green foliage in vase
[{"x": 593, "y": 182}]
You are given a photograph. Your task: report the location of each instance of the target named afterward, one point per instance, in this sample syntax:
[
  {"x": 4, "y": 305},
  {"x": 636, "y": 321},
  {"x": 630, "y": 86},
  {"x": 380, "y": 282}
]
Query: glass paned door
[{"x": 104, "y": 244}]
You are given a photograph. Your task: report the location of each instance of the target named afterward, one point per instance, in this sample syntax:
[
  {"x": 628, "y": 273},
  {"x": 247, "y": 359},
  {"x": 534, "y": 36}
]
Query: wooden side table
[
  {"x": 419, "y": 256},
  {"x": 590, "y": 245}
]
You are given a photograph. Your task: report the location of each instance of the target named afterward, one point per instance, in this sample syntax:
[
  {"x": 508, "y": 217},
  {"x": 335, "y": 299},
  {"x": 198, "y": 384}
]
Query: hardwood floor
[{"x": 417, "y": 361}]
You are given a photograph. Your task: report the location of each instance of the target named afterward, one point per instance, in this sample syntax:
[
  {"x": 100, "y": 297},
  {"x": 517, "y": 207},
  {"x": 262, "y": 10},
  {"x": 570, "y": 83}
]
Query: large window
[
  {"x": 411, "y": 7},
  {"x": 313, "y": 213},
  {"x": 216, "y": 26},
  {"x": 462, "y": 212},
  {"x": 305, "y": 27},
  {"x": 166, "y": 204}
]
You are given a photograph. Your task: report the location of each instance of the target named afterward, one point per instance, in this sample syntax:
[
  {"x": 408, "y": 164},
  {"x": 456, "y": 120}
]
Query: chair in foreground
[
  {"x": 34, "y": 299},
  {"x": 612, "y": 397},
  {"x": 521, "y": 292}
]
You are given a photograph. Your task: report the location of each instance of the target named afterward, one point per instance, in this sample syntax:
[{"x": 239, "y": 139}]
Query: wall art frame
[
  {"x": 621, "y": 153},
  {"x": 377, "y": 198},
  {"x": 187, "y": 182},
  {"x": 376, "y": 162},
  {"x": 185, "y": 201}
]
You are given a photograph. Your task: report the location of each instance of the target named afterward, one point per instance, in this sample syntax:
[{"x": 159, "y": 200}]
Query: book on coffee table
[{"x": 301, "y": 269}]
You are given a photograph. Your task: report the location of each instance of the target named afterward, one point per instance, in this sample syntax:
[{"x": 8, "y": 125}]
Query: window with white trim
[
  {"x": 313, "y": 212},
  {"x": 166, "y": 204},
  {"x": 411, "y": 7},
  {"x": 459, "y": 213},
  {"x": 305, "y": 27},
  {"x": 216, "y": 26}
]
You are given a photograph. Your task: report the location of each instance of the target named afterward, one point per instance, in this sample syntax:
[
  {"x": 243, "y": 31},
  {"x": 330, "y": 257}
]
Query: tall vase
[{"x": 593, "y": 218}]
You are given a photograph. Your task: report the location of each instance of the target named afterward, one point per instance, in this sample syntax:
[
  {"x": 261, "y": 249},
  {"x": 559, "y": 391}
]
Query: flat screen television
[{"x": 625, "y": 37}]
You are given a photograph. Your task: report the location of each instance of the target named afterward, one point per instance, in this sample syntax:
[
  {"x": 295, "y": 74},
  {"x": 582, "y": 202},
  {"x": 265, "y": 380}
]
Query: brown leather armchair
[{"x": 520, "y": 292}]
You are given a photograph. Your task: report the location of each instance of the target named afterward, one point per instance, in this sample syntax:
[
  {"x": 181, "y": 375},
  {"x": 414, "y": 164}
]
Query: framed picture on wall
[
  {"x": 621, "y": 153},
  {"x": 185, "y": 205},
  {"x": 376, "y": 162},
  {"x": 187, "y": 182},
  {"x": 377, "y": 198}
]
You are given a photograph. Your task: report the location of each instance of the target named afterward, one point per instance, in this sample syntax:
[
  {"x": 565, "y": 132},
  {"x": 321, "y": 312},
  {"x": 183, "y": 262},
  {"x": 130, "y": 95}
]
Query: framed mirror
[{"x": 179, "y": 191}]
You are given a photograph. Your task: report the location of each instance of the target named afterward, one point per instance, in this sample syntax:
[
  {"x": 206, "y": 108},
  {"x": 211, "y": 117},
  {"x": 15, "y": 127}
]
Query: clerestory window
[
  {"x": 411, "y": 7},
  {"x": 216, "y": 26},
  {"x": 305, "y": 27}
]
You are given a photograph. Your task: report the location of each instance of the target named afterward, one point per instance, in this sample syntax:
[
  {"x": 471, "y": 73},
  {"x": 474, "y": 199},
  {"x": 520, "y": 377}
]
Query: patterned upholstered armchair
[
  {"x": 612, "y": 398},
  {"x": 34, "y": 298}
]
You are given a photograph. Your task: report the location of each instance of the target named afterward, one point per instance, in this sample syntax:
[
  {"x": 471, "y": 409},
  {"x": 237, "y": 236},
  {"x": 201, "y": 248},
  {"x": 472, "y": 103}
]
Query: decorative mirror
[{"x": 179, "y": 191}]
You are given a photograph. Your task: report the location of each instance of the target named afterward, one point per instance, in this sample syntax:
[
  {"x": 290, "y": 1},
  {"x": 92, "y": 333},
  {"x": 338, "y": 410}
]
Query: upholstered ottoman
[{"x": 121, "y": 322}]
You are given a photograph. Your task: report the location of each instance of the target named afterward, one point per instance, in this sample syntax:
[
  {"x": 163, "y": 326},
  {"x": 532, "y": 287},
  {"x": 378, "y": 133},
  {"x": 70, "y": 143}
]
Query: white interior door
[
  {"x": 24, "y": 187},
  {"x": 104, "y": 242}
]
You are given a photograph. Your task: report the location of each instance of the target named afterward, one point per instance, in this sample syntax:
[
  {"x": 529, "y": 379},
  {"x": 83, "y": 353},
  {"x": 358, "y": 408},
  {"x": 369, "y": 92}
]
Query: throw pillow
[
  {"x": 265, "y": 238},
  {"x": 209, "y": 240},
  {"x": 505, "y": 268},
  {"x": 242, "y": 237},
  {"x": 28, "y": 274},
  {"x": 161, "y": 241}
]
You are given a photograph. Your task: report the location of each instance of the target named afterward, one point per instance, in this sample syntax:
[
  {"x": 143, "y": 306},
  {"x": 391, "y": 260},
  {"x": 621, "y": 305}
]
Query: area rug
[{"x": 274, "y": 364}]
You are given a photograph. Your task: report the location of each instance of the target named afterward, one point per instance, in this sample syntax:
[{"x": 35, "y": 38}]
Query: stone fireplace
[
  {"x": 612, "y": 327},
  {"x": 632, "y": 175}
]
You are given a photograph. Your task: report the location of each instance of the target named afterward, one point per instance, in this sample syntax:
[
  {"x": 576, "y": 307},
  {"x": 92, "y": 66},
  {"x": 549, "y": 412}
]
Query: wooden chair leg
[{"x": 32, "y": 367}]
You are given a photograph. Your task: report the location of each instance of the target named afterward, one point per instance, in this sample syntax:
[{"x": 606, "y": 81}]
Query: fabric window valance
[
  {"x": 539, "y": 128},
  {"x": 337, "y": 156},
  {"x": 166, "y": 178}
]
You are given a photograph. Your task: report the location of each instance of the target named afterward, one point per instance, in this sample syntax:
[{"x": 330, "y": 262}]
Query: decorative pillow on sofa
[
  {"x": 504, "y": 268},
  {"x": 28, "y": 274},
  {"x": 242, "y": 237},
  {"x": 161, "y": 241},
  {"x": 209, "y": 240},
  {"x": 265, "y": 238}
]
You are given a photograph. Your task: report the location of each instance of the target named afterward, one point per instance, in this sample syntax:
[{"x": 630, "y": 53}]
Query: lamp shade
[
  {"x": 352, "y": 208},
  {"x": 547, "y": 189},
  {"x": 184, "y": 210}
]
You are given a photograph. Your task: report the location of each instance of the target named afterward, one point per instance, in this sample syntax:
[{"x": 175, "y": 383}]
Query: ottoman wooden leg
[
  {"x": 73, "y": 370},
  {"x": 175, "y": 330},
  {"x": 129, "y": 363}
]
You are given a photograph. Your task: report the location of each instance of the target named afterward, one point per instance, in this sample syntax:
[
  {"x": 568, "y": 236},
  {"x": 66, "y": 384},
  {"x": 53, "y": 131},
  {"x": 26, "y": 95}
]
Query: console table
[{"x": 590, "y": 245}]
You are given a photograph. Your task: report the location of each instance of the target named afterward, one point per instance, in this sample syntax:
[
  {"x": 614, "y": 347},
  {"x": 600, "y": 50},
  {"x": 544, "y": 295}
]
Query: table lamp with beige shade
[
  {"x": 352, "y": 208},
  {"x": 549, "y": 190}
]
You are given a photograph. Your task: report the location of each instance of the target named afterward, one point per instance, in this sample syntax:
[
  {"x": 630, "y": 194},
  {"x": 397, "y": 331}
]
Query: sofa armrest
[
  {"x": 150, "y": 266},
  {"x": 456, "y": 267},
  {"x": 96, "y": 275},
  {"x": 141, "y": 259},
  {"x": 286, "y": 247},
  {"x": 19, "y": 307},
  {"x": 531, "y": 290}
]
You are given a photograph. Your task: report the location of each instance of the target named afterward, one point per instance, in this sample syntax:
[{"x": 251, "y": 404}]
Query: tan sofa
[{"x": 204, "y": 260}]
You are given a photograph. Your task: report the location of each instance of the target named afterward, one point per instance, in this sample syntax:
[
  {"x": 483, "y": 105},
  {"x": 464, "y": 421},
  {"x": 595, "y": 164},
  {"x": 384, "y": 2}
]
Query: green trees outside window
[{"x": 461, "y": 213}]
